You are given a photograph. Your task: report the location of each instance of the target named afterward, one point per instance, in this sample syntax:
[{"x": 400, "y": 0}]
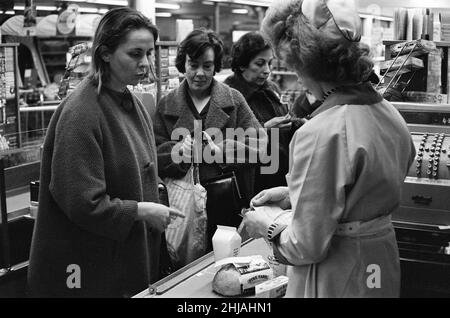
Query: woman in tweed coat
[{"x": 99, "y": 223}]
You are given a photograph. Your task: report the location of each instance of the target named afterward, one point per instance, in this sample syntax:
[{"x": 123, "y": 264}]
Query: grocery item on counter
[
  {"x": 238, "y": 276},
  {"x": 226, "y": 242},
  {"x": 274, "y": 288}
]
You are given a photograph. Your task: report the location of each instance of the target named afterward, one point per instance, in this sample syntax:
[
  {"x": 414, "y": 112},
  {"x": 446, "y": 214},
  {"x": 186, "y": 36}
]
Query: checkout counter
[
  {"x": 195, "y": 279},
  {"x": 422, "y": 222}
]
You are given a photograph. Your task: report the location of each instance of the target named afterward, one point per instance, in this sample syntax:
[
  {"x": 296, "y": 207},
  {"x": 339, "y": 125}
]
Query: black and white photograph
[{"x": 224, "y": 156}]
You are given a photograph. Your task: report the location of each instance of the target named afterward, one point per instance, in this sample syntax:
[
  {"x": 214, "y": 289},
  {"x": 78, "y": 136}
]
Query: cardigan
[{"x": 98, "y": 162}]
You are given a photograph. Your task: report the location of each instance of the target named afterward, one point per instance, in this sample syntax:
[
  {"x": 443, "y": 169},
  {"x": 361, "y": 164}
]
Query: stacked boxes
[{"x": 166, "y": 69}]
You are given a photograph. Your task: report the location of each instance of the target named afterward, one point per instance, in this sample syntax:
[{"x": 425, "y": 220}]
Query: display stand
[
  {"x": 9, "y": 98},
  {"x": 166, "y": 71}
]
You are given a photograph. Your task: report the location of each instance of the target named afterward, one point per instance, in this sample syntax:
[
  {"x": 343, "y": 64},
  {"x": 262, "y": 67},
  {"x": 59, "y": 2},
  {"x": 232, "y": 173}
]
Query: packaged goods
[
  {"x": 226, "y": 242},
  {"x": 422, "y": 47},
  {"x": 273, "y": 288},
  {"x": 445, "y": 26},
  {"x": 410, "y": 64},
  {"x": 424, "y": 97},
  {"x": 239, "y": 275}
]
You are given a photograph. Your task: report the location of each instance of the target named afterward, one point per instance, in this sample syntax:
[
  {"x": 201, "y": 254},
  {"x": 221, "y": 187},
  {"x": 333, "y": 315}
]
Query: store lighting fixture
[
  {"x": 46, "y": 8},
  {"x": 239, "y": 11},
  {"x": 88, "y": 10},
  {"x": 9, "y": 12},
  {"x": 19, "y": 8},
  {"x": 208, "y": 3},
  {"x": 169, "y": 6},
  {"x": 163, "y": 14},
  {"x": 110, "y": 2},
  {"x": 265, "y": 3}
]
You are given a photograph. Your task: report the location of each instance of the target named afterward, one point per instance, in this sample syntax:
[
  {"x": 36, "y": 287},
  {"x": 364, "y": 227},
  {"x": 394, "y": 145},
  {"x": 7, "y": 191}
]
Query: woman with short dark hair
[
  {"x": 347, "y": 163},
  {"x": 218, "y": 109},
  {"x": 251, "y": 63},
  {"x": 99, "y": 224}
]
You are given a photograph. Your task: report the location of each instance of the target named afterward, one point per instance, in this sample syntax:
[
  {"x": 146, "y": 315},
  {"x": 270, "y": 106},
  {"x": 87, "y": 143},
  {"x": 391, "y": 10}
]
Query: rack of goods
[
  {"x": 9, "y": 113},
  {"x": 166, "y": 71}
]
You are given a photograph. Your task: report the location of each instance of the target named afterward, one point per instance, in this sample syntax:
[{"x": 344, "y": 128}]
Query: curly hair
[
  {"x": 246, "y": 48},
  {"x": 111, "y": 32},
  {"x": 195, "y": 44},
  {"x": 312, "y": 52}
]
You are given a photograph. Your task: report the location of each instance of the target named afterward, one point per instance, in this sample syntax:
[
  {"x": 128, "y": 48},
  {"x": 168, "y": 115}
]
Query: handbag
[
  {"x": 224, "y": 202},
  {"x": 186, "y": 237}
]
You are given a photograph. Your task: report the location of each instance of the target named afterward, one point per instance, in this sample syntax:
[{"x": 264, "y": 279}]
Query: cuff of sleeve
[
  {"x": 277, "y": 253},
  {"x": 128, "y": 215}
]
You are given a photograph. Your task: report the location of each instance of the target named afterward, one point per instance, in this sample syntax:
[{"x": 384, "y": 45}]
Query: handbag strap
[{"x": 196, "y": 173}]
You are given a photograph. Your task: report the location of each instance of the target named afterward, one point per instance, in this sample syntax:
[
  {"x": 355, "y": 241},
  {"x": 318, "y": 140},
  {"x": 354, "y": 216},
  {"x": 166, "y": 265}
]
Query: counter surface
[{"x": 195, "y": 279}]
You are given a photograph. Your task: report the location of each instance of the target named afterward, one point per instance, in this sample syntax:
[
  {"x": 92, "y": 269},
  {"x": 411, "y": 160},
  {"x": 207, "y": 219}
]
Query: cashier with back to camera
[{"x": 346, "y": 166}]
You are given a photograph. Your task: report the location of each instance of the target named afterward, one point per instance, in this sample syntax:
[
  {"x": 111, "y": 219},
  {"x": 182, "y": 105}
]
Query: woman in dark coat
[
  {"x": 216, "y": 107},
  {"x": 251, "y": 63},
  {"x": 99, "y": 224}
]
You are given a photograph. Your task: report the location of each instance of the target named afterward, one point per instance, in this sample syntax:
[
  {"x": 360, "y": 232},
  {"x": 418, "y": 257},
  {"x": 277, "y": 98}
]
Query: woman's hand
[
  {"x": 257, "y": 223},
  {"x": 215, "y": 150},
  {"x": 278, "y": 196},
  {"x": 185, "y": 150},
  {"x": 279, "y": 122},
  {"x": 157, "y": 216}
]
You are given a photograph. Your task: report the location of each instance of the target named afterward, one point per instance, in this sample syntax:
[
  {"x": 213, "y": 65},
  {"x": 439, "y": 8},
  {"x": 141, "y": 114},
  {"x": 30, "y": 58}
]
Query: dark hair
[
  {"x": 111, "y": 32},
  {"x": 310, "y": 51},
  {"x": 195, "y": 44},
  {"x": 246, "y": 48}
]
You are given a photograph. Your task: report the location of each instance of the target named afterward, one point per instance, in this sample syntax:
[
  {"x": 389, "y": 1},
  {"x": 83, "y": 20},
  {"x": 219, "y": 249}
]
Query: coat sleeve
[
  {"x": 318, "y": 177},
  {"x": 164, "y": 144},
  {"x": 253, "y": 145},
  {"x": 77, "y": 182}
]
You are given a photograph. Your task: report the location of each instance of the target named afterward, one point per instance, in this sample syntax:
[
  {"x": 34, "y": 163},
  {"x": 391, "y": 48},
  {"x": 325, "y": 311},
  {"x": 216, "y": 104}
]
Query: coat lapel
[
  {"x": 221, "y": 104},
  {"x": 180, "y": 111}
]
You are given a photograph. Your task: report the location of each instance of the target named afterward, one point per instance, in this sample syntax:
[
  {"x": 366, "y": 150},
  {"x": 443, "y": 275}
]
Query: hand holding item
[
  {"x": 186, "y": 148},
  {"x": 279, "y": 122},
  {"x": 212, "y": 146},
  {"x": 157, "y": 216},
  {"x": 257, "y": 223},
  {"x": 278, "y": 196}
]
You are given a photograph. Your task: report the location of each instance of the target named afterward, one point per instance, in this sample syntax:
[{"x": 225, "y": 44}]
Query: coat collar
[
  {"x": 221, "y": 104},
  {"x": 248, "y": 89},
  {"x": 358, "y": 94}
]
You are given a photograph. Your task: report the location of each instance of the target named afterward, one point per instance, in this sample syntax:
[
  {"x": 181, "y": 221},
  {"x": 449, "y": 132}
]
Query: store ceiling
[
  {"x": 187, "y": 7},
  {"x": 199, "y": 8}
]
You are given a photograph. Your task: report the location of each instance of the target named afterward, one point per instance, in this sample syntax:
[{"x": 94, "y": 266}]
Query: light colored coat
[{"x": 347, "y": 167}]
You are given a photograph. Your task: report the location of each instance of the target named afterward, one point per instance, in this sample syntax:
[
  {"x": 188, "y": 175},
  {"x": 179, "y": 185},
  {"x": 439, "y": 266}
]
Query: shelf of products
[
  {"x": 429, "y": 84},
  {"x": 287, "y": 81},
  {"x": 166, "y": 71},
  {"x": 54, "y": 50},
  {"x": 9, "y": 111}
]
